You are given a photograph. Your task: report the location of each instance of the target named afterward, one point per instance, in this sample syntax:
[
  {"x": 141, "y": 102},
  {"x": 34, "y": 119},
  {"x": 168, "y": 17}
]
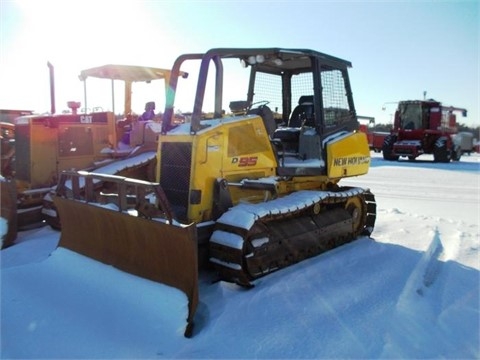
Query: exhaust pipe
[{"x": 52, "y": 88}]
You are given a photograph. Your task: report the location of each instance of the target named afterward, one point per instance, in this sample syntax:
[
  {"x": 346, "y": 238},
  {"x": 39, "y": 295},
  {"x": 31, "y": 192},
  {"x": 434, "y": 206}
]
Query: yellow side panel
[
  {"x": 348, "y": 156},
  {"x": 248, "y": 149},
  {"x": 206, "y": 167},
  {"x": 43, "y": 156},
  {"x": 90, "y": 140},
  {"x": 233, "y": 150}
]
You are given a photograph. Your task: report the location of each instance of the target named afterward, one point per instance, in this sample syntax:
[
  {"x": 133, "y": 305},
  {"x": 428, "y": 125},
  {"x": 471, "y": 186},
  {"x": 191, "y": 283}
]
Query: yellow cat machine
[
  {"x": 45, "y": 145},
  {"x": 244, "y": 192}
]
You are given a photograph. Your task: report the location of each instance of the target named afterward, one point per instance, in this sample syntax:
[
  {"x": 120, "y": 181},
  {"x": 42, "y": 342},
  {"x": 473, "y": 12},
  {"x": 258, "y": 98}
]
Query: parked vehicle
[
  {"x": 466, "y": 142},
  {"x": 47, "y": 144},
  {"x": 246, "y": 191},
  {"x": 423, "y": 127},
  {"x": 9, "y": 115}
]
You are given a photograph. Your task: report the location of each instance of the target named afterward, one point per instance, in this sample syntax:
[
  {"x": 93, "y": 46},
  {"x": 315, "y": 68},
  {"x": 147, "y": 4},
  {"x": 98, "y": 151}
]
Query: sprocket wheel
[{"x": 358, "y": 210}]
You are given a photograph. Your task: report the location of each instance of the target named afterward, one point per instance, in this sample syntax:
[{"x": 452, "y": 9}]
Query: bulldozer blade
[{"x": 151, "y": 249}]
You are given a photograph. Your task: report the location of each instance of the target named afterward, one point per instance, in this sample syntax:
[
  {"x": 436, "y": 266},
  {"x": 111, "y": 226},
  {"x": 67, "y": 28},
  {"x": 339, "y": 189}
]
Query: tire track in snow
[
  {"x": 415, "y": 307},
  {"x": 429, "y": 264},
  {"x": 425, "y": 272}
]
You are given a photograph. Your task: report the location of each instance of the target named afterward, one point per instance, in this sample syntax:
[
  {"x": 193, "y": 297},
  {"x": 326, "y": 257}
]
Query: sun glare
[{"x": 77, "y": 35}]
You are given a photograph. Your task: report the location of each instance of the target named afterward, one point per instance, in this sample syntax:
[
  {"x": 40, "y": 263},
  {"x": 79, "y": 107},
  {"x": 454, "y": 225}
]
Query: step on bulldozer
[{"x": 244, "y": 191}]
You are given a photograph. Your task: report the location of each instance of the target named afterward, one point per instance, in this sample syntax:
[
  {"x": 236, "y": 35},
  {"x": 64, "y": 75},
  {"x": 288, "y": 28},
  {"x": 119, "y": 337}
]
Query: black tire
[
  {"x": 441, "y": 153},
  {"x": 387, "y": 148}
]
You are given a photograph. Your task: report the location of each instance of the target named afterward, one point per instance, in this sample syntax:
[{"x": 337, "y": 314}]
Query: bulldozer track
[{"x": 253, "y": 240}]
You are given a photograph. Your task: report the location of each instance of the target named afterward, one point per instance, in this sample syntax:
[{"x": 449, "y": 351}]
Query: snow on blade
[{"x": 115, "y": 167}]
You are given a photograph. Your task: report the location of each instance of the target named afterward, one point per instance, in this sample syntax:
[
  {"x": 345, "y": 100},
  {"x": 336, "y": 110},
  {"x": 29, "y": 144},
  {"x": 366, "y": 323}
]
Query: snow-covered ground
[{"x": 412, "y": 291}]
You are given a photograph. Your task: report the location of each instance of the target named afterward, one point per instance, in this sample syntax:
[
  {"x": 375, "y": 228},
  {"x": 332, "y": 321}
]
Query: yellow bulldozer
[
  {"x": 244, "y": 191},
  {"x": 45, "y": 145}
]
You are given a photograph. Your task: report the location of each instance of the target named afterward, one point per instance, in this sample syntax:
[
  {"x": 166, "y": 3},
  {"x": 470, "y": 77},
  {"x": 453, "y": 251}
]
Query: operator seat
[
  {"x": 267, "y": 116},
  {"x": 303, "y": 114},
  {"x": 135, "y": 134}
]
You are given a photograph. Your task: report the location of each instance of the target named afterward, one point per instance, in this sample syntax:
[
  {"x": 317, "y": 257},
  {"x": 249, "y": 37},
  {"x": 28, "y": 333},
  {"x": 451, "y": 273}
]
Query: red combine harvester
[{"x": 423, "y": 127}]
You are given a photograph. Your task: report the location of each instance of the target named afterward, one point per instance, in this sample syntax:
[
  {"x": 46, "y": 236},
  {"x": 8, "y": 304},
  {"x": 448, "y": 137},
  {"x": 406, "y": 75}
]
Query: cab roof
[{"x": 277, "y": 60}]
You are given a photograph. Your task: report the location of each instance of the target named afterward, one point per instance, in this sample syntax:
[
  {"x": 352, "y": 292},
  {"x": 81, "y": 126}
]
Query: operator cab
[{"x": 305, "y": 100}]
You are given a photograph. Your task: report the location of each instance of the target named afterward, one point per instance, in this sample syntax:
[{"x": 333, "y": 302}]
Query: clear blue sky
[{"x": 398, "y": 49}]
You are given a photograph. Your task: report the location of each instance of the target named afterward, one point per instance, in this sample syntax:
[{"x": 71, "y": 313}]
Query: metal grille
[
  {"x": 334, "y": 94},
  {"x": 175, "y": 175},
  {"x": 335, "y": 100},
  {"x": 302, "y": 85},
  {"x": 268, "y": 87}
]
